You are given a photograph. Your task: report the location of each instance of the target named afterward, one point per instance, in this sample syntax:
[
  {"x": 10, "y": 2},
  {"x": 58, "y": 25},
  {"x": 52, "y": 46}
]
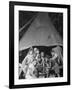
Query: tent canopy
[{"x": 41, "y": 32}]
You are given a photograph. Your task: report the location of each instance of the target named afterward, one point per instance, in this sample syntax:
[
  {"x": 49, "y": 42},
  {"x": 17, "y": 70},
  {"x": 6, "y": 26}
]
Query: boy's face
[
  {"x": 35, "y": 49},
  {"x": 42, "y": 54},
  {"x": 52, "y": 53}
]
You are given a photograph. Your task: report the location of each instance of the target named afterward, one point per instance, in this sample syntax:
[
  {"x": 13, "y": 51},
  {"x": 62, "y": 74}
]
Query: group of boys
[{"x": 38, "y": 65}]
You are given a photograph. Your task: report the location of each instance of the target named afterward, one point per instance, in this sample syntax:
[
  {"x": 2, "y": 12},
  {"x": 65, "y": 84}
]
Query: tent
[{"x": 41, "y": 32}]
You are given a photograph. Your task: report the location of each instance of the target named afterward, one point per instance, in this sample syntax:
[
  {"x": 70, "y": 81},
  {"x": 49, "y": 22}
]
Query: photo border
[{"x": 11, "y": 43}]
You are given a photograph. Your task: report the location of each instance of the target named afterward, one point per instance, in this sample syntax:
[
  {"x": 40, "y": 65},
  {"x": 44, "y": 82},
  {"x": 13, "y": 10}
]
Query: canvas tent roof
[{"x": 41, "y": 32}]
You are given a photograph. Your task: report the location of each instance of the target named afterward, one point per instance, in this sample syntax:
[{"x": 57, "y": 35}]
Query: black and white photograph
[{"x": 40, "y": 44}]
